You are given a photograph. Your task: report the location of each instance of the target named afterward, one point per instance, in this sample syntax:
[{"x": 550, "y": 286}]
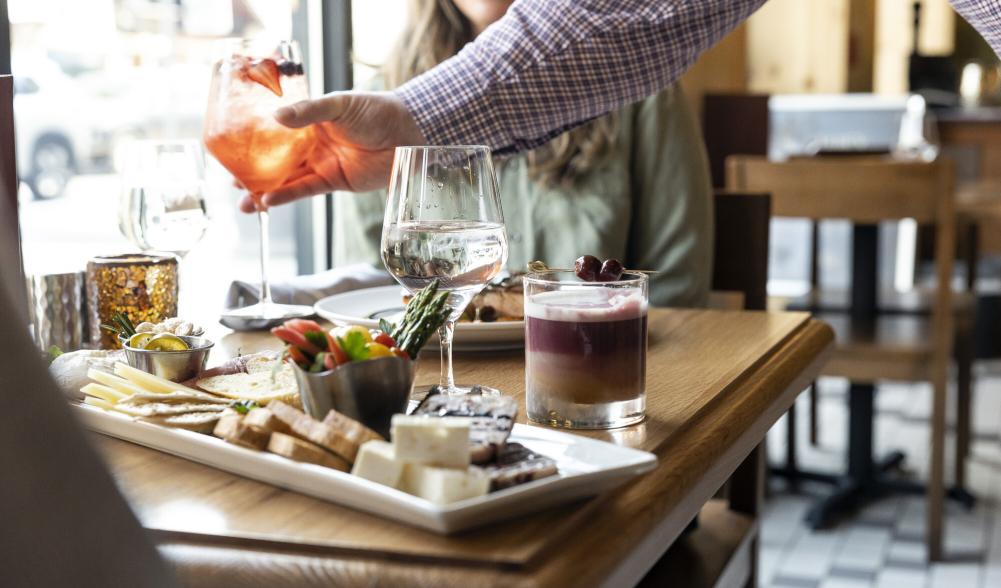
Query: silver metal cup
[
  {"x": 370, "y": 391},
  {"x": 176, "y": 366},
  {"x": 57, "y": 310}
]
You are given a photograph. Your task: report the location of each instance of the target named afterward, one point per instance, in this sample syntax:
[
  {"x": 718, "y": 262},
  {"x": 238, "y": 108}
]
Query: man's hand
[{"x": 357, "y": 133}]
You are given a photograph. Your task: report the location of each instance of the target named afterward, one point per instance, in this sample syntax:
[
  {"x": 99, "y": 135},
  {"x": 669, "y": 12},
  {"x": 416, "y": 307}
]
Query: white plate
[
  {"x": 587, "y": 468},
  {"x": 365, "y": 307}
]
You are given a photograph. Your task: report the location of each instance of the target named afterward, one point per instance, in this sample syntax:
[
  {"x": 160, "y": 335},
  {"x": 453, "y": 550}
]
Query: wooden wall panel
[
  {"x": 799, "y": 47},
  {"x": 895, "y": 39},
  {"x": 721, "y": 70},
  {"x": 861, "y": 44}
]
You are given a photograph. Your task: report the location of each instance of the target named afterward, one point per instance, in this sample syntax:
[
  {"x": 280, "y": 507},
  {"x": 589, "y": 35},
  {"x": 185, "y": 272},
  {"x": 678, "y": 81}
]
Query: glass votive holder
[
  {"x": 585, "y": 350},
  {"x": 141, "y": 286}
]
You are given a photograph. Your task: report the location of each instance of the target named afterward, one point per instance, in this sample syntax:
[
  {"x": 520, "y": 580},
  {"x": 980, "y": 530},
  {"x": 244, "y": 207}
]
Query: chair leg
[
  {"x": 964, "y": 383},
  {"x": 936, "y": 476},
  {"x": 814, "y": 421},
  {"x": 791, "y": 464}
]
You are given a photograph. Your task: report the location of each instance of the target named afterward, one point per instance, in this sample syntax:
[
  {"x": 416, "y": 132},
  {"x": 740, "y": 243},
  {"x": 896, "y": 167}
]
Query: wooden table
[{"x": 717, "y": 381}]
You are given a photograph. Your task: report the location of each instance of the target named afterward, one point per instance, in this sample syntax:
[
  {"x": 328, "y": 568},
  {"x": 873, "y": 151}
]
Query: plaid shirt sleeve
[
  {"x": 985, "y": 16},
  {"x": 551, "y": 64}
]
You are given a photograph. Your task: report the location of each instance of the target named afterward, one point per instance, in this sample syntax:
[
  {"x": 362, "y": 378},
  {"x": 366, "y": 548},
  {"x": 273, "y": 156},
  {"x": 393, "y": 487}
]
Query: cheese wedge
[
  {"x": 105, "y": 393},
  {"x": 377, "y": 462},
  {"x": 112, "y": 381},
  {"x": 147, "y": 381},
  {"x": 433, "y": 441},
  {"x": 444, "y": 485},
  {"x": 99, "y": 403}
]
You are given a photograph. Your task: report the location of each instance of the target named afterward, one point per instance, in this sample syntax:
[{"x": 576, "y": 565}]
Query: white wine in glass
[{"x": 444, "y": 222}]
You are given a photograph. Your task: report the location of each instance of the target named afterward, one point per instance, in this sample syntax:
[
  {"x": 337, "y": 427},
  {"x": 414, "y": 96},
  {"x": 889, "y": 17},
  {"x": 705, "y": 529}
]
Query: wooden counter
[{"x": 716, "y": 383}]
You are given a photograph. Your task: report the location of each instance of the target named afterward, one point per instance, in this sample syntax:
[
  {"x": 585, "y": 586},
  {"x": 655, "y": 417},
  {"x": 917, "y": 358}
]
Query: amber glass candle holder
[{"x": 142, "y": 286}]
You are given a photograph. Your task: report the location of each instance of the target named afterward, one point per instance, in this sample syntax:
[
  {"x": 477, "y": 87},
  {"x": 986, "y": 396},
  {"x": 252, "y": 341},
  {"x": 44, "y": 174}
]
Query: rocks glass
[{"x": 585, "y": 350}]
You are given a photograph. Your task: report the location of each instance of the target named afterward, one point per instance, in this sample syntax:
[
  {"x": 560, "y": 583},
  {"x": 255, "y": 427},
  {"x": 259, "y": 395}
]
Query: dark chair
[
  {"x": 740, "y": 257},
  {"x": 733, "y": 124}
]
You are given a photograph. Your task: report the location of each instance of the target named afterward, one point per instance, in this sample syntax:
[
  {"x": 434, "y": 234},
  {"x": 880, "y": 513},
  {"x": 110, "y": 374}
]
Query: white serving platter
[
  {"x": 365, "y": 307},
  {"x": 587, "y": 468}
]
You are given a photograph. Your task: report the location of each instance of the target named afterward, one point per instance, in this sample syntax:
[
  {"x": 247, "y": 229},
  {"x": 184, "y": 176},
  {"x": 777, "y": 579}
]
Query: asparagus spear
[{"x": 425, "y": 313}]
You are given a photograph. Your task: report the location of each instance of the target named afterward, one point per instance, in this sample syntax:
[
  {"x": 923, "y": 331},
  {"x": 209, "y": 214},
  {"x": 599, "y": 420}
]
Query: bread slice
[
  {"x": 232, "y": 428},
  {"x": 306, "y": 427},
  {"x": 353, "y": 430},
  {"x": 304, "y": 451},
  {"x": 263, "y": 418}
]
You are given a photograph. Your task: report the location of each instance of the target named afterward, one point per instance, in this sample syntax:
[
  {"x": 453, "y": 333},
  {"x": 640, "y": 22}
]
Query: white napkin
[{"x": 308, "y": 289}]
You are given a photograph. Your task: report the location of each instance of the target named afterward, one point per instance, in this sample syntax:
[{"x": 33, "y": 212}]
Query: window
[{"x": 93, "y": 76}]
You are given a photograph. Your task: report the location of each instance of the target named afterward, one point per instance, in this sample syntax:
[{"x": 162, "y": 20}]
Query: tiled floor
[{"x": 882, "y": 545}]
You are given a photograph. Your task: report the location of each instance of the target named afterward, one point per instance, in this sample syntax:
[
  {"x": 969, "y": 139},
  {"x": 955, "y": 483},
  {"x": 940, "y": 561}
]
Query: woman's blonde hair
[{"x": 437, "y": 30}]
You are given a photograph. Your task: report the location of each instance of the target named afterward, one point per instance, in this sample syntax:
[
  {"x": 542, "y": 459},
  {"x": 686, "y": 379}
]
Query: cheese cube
[
  {"x": 444, "y": 485},
  {"x": 440, "y": 441},
  {"x": 377, "y": 462}
]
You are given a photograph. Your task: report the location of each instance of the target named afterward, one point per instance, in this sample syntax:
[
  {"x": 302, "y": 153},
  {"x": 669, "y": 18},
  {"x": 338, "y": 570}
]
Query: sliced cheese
[
  {"x": 105, "y": 393},
  {"x": 444, "y": 485},
  {"x": 377, "y": 462},
  {"x": 112, "y": 381},
  {"x": 148, "y": 381},
  {"x": 98, "y": 402},
  {"x": 440, "y": 441}
]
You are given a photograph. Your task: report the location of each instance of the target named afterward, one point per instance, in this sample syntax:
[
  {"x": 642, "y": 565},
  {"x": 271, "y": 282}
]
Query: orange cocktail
[
  {"x": 248, "y": 85},
  {"x": 240, "y": 128}
]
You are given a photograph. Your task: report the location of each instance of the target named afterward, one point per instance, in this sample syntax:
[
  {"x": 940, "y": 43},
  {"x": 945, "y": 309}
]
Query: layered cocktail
[{"x": 585, "y": 350}]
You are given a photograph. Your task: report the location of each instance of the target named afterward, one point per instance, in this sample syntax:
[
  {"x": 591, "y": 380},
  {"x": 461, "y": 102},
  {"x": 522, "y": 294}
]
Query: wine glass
[
  {"x": 252, "y": 81},
  {"x": 444, "y": 222},
  {"x": 163, "y": 203}
]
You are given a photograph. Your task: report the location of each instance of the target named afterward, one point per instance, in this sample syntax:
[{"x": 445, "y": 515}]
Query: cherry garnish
[
  {"x": 587, "y": 267},
  {"x": 611, "y": 270}
]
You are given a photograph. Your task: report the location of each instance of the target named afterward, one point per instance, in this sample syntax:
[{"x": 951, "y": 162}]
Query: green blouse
[{"x": 648, "y": 204}]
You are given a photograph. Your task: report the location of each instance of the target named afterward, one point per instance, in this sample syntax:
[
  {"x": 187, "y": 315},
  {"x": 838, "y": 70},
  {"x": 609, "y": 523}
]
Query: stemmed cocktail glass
[{"x": 250, "y": 82}]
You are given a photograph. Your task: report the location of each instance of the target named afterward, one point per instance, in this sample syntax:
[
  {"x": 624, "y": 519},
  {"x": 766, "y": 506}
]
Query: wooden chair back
[
  {"x": 862, "y": 190},
  {"x": 868, "y": 190},
  {"x": 740, "y": 256}
]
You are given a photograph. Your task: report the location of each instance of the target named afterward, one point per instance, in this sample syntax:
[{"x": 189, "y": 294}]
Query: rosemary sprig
[{"x": 121, "y": 325}]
